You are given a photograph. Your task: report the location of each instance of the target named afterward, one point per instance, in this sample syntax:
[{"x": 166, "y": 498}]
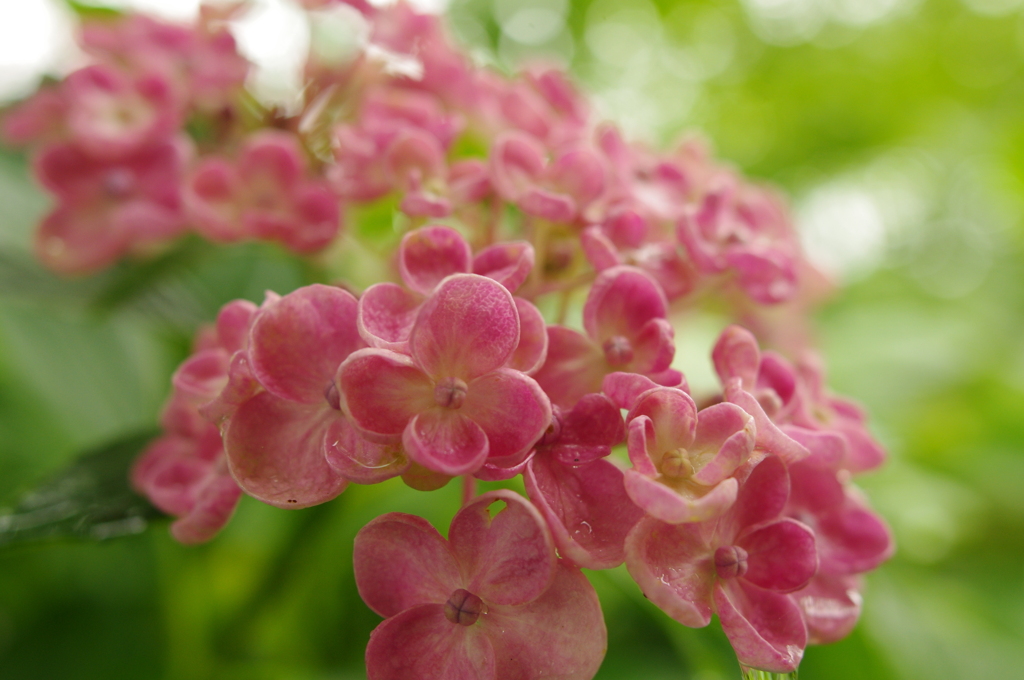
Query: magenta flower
[
  {"x": 264, "y": 194},
  {"x": 624, "y": 317},
  {"x": 451, "y": 400},
  {"x": 492, "y": 602},
  {"x": 739, "y": 566},
  {"x": 683, "y": 460},
  {"x": 580, "y": 494},
  {"x": 107, "y": 208}
]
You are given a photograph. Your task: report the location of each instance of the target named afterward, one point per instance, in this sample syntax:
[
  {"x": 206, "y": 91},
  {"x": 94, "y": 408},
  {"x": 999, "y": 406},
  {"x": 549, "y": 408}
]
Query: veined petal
[
  {"x": 507, "y": 557},
  {"x": 360, "y": 460},
  {"x": 298, "y": 341},
  {"x": 683, "y": 502},
  {"x": 532, "y": 350},
  {"x": 428, "y": 255},
  {"x": 620, "y": 302},
  {"x": 674, "y": 568},
  {"x": 559, "y": 635},
  {"x": 765, "y": 628},
  {"x": 468, "y": 327},
  {"x": 653, "y": 347},
  {"x": 511, "y": 408},
  {"x": 275, "y": 451},
  {"x": 400, "y": 562},
  {"x": 724, "y": 441},
  {"x": 674, "y": 418},
  {"x": 781, "y": 556},
  {"x": 421, "y": 643},
  {"x": 507, "y": 263},
  {"x": 445, "y": 441},
  {"x": 624, "y": 389},
  {"x": 383, "y": 390},
  {"x": 386, "y": 316},
  {"x": 586, "y": 508}
]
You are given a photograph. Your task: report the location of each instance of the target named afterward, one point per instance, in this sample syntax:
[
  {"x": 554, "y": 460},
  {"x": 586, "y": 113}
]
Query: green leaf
[
  {"x": 85, "y": 10},
  {"x": 91, "y": 498}
]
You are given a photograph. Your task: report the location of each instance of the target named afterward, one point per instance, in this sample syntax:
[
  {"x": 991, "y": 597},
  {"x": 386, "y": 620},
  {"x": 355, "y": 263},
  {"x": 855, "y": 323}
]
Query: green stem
[{"x": 755, "y": 674}]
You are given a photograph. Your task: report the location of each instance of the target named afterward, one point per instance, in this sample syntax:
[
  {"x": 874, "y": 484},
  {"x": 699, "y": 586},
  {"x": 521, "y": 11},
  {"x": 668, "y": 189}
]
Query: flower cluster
[{"x": 510, "y": 199}]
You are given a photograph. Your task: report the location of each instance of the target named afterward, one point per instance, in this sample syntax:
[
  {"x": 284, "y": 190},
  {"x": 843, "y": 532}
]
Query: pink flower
[
  {"x": 580, "y": 494},
  {"x": 108, "y": 207},
  {"x": 683, "y": 460},
  {"x": 265, "y": 194},
  {"x": 739, "y": 566},
  {"x": 451, "y": 400},
  {"x": 491, "y": 603},
  {"x": 624, "y": 317}
]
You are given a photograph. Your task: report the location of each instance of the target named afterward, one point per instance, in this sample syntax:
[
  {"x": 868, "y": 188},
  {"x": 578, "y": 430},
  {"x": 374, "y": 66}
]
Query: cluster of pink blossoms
[{"x": 511, "y": 199}]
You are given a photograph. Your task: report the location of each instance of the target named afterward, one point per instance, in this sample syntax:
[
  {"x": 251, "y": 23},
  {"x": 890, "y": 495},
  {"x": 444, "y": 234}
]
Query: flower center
[
  {"x": 464, "y": 608},
  {"x": 118, "y": 183},
  {"x": 332, "y": 396},
  {"x": 618, "y": 351},
  {"x": 676, "y": 464},
  {"x": 450, "y": 393},
  {"x": 554, "y": 431},
  {"x": 730, "y": 561}
]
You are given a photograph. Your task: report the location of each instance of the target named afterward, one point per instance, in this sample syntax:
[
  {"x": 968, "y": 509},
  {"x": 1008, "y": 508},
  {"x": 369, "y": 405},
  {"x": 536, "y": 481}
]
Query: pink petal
[
  {"x": 400, "y": 562},
  {"x": 724, "y": 441},
  {"x": 674, "y": 418},
  {"x": 574, "y": 367},
  {"x": 768, "y": 277},
  {"x": 765, "y": 628},
  {"x": 428, "y": 255},
  {"x": 736, "y": 355},
  {"x": 508, "y": 557},
  {"x": 682, "y": 502},
  {"x": 599, "y": 249},
  {"x": 70, "y": 241},
  {"x": 586, "y": 508},
  {"x": 762, "y": 496},
  {"x": 511, "y": 409},
  {"x": 831, "y": 606},
  {"x": 386, "y": 316},
  {"x": 275, "y": 451},
  {"x": 298, "y": 341},
  {"x": 215, "y": 503},
  {"x": 782, "y": 556},
  {"x": 625, "y": 388},
  {"x": 559, "y": 635},
  {"x": 653, "y": 347},
  {"x": 533, "y": 339},
  {"x": 507, "y": 263},
  {"x": 360, "y": 460},
  {"x": 620, "y": 302},
  {"x": 421, "y": 643},
  {"x": 588, "y": 431},
  {"x": 674, "y": 569},
  {"x": 233, "y": 322},
  {"x": 446, "y": 441},
  {"x": 468, "y": 327},
  {"x": 547, "y": 205},
  {"x": 383, "y": 390},
  {"x": 202, "y": 376},
  {"x": 769, "y": 437},
  {"x": 580, "y": 173}
]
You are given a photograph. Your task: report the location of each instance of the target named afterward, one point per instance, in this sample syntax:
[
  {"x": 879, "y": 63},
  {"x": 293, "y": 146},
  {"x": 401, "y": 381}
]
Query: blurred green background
[{"x": 897, "y": 128}]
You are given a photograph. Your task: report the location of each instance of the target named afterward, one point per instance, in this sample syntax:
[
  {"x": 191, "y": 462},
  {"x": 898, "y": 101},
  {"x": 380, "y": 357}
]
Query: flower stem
[
  {"x": 468, "y": 489},
  {"x": 756, "y": 674}
]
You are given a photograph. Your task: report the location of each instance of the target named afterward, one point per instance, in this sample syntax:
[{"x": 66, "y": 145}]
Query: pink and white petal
[
  {"x": 532, "y": 350},
  {"x": 766, "y": 629},
  {"x": 241, "y": 385},
  {"x": 640, "y": 439},
  {"x": 507, "y": 558},
  {"x": 382, "y": 390},
  {"x": 762, "y": 496},
  {"x": 684, "y": 502},
  {"x": 624, "y": 389},
  {"x": 653, "y": 348},
  {"x": 674, "y": 568},
  {"x": 586, "y": 508},
  {"x": 445, "y": 441},
  {"x": 386, "y": 316},
  {"x": 782, "y": 556},
  {"x": 202, "y": 376},
  {"x": 560, "y": 635},
  {"x": 724, "y": 441},
  {"x": 768, "y": 278},
  {"x": 507, "y": 263},
  {"x": 828, "y": 450},
  {"x": 215, "y": 503},
  {"x": 360, "y": 460},
  {"x": 428, "y": 255},
  {"x": 599, "y": 249},
  {"x": 547, "y": 205},
  {"x": 769, "y": 437},
  {"x": 620, "y": 302},
  {"x": 511, "y": 408},
  {"x": 421, "y": 643},
  {"x": 831, "y": 606},
  {"x": 469, "y": 326},
  {"x": 275, "y": 451},
  {"x": 737, "y": 355},
  {"x": 574, "y": 366},
  {"x": 499, "y": 471},
  {"x": 401, "y": 561},
  {"x": 298, "y": 341},
  {"x": 674, "y": 417}
]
